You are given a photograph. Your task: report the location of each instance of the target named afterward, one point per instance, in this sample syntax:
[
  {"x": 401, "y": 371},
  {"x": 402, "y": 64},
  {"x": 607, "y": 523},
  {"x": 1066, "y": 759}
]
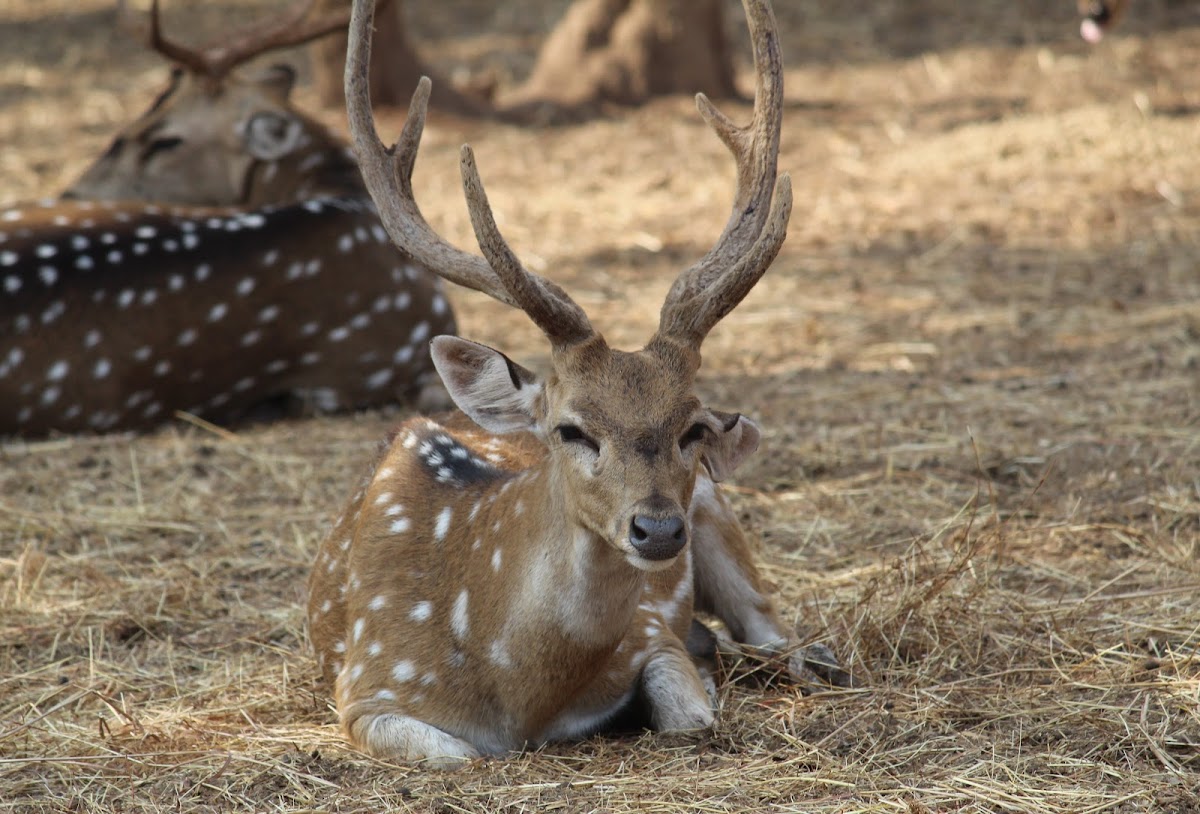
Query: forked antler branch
[
  {"x": 293, "y": 27},
  {"x": 388, "y": 176},
  {"x": 754, "y": 234}
]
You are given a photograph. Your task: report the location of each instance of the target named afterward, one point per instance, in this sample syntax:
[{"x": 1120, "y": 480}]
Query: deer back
[{"x": 114, "y": 316}]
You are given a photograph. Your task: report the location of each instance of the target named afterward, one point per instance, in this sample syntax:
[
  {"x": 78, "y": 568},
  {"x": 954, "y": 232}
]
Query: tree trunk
[
  {"x": 623, "y": 52},
  {"x": 395, "y": 66}
]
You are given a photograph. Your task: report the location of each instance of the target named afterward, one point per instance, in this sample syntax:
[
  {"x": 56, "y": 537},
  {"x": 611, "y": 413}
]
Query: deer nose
[{"x": 657, "y": 538}]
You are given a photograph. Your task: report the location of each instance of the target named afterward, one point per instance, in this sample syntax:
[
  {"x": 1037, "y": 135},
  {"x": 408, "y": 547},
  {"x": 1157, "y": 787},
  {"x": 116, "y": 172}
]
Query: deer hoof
[{"x": 815, "y": 668}]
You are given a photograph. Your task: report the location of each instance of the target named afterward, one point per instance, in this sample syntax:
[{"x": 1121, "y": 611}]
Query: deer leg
[
  {"x": 728, "y": 586},
  {"x": 677, "y": 694},
  {"x": 398, "y": 737}
]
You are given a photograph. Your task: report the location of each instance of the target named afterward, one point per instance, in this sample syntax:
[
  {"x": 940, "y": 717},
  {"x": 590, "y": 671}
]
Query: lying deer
[
  {"x": 520, "y": 572},
  {"x": 260, "y": 271}
]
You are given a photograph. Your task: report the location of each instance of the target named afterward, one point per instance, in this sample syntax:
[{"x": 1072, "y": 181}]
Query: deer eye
[
  {"x": 571, "y": 434},
  {"x": 696, "y": 433}
]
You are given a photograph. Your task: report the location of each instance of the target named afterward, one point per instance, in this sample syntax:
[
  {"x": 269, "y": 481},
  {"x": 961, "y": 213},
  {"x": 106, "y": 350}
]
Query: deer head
[
  {"x": 625, "y": 431},
  {"x": 514, "y": 580},
  {"x": 219, "y": 137}
]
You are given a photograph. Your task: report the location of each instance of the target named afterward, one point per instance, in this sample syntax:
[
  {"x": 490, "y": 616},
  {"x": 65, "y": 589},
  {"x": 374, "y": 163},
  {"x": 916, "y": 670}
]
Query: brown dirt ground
[{"x": 976, "y": 363}]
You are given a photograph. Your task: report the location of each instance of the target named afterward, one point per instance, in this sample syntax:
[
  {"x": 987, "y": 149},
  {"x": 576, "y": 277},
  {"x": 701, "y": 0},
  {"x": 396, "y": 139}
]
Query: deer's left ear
[
  {"x": 737, "y": 441},
  {"x": 497, "y": 393}
]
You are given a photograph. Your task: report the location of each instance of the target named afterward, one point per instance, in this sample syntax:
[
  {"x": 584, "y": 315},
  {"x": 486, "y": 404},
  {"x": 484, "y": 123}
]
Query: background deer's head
[{"x": 219, "y": 137}]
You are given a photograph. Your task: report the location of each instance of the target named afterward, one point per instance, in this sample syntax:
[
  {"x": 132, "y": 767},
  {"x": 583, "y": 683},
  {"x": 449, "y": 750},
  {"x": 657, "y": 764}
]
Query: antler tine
[
  {"x": 711, "y": 288},
  {"x": 551, "y": 308},
  {"x": 192, "y": 60},
  {"x": 387, "y": 173}
]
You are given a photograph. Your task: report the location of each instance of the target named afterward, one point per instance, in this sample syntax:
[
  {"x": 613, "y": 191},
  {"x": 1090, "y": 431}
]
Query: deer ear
[
  {"x": 494, "y": 391},
  {"x": 737, "y": 442},
  {"x": 279, "y": 79},
  {"x": 269, "y": 136}
]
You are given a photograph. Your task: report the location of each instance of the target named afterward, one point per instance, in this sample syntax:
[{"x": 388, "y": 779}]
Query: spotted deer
[
  {"x": 522, "y": 571},
  {"x": 1099, "y": 16},
  {"x": 221, "y": 255}
]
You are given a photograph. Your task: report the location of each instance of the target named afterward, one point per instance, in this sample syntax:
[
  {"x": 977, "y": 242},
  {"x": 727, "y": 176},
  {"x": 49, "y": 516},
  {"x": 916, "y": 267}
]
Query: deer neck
[{"x": 575, "y": 580}]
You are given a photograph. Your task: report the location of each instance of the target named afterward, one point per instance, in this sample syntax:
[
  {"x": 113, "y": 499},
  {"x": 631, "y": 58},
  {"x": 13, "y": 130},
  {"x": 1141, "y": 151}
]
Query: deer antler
[
  {"x": 292, "y": 28},
  {"x": 388, "y": 176},
  {"x": 754, "y": 234}
]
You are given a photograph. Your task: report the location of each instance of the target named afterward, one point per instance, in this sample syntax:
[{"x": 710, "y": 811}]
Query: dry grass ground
[{"x": 977, "y": 363}]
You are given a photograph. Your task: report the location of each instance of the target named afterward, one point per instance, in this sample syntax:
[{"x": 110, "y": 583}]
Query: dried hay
[{"x": 976, "y": 364}]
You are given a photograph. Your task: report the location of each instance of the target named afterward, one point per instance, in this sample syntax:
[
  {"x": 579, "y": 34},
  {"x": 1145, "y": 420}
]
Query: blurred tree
[{"x": 601, "y": 52}]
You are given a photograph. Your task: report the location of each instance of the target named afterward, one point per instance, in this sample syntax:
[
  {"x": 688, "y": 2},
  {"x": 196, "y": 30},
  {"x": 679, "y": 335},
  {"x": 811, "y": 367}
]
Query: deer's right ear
[{"x": 494, "y": 391}]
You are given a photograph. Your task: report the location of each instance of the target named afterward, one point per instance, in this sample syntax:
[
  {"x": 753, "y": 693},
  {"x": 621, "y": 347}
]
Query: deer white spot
[
  {"x": 496, "y": 557},
  {"x": 393, "y": 510},
  {"x": 421, "y": 611},
  {"x": 339, "y": 647},
  {"x": 108, "y": 238},
  {"x": 12, "y": 284},
  {"x": 401, "y": 525},
  {"x": 383, "y": 497},
  {"x": 251, "y": 338},
  {"x": 377, "y": 603},
  {"x": 253, "y": 220},
  {"x": 429, "y": 679},
  {"x": 458, "y": 616},
  {"x": 403, "y": 356},
  {"x": 72, "y": 412},
  {"x": 310, "y": 358},
  {"x": 149, "y": 296},
  {"x": 244, "y": 384},
  {"x": 91, "y": 339},
  {"x": 143, "y": 353},
  {"x": 312, "y": 267},
  {"x": 49, "y": 275},
  {"x": 360, "y": 321},
  {"x": 420, "y": 332},
  {"x": 438, "y": 304},
  {"x": 52, "y": 313},
  {"x": 50, "y": 395},
  {"x": 152, "y": 409},
  {"x": 374, "y": 649},
  {"x": 385, "y": 695},
  {"x": 202, "y": 272},
  {"x": 402, "y": 300},
  {"x": 295, "y": 270},
  {"x": 84, "y": 262},
  {"x": 499, "y": 655},
  {"x": 46, "y": 250},
  {"x": 378, "y": 233},
  {"x": 126, "y": 298},
  {"x": 114, "y": 257},
  {"x": 245, "y": 286},
  {"x": 339, "y": 334},
  {"x": 162, "y": 368},
  {"x": 442, "y": 524},
  {"x": 218, "y": 312},
  {"x": 25, "y": 414},
  {"x": 309, "y": 328},
  {"x": 102, "y": 368},
  {"x": 345, "y": 243},
  {"x": 519, "y": 507},
  {"x": 12, "y": 215},
  {"x": 58, "y": 371},
  {"x": 359, "y": 625},
  {"x": 187, "y": 337},
  {"x": 145, "y": 232},
  {"x": 170, "y": 245},
  {"x": 8, "y": 258},
  {"x": 268, "y": 314},
  {"x": 379, "y": 378},
  {"x": 333, "y": 563},
  {"x": 404, "y": 671},
  {"x": 140, "y": 248},
  {"x": 190, "y": 241}
]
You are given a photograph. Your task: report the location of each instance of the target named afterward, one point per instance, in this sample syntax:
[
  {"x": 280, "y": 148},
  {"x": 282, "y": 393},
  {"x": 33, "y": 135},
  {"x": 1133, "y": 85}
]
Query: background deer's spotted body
[
  {"x": 255, "y": 269},
  {"x": 116, "y": 315}
]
